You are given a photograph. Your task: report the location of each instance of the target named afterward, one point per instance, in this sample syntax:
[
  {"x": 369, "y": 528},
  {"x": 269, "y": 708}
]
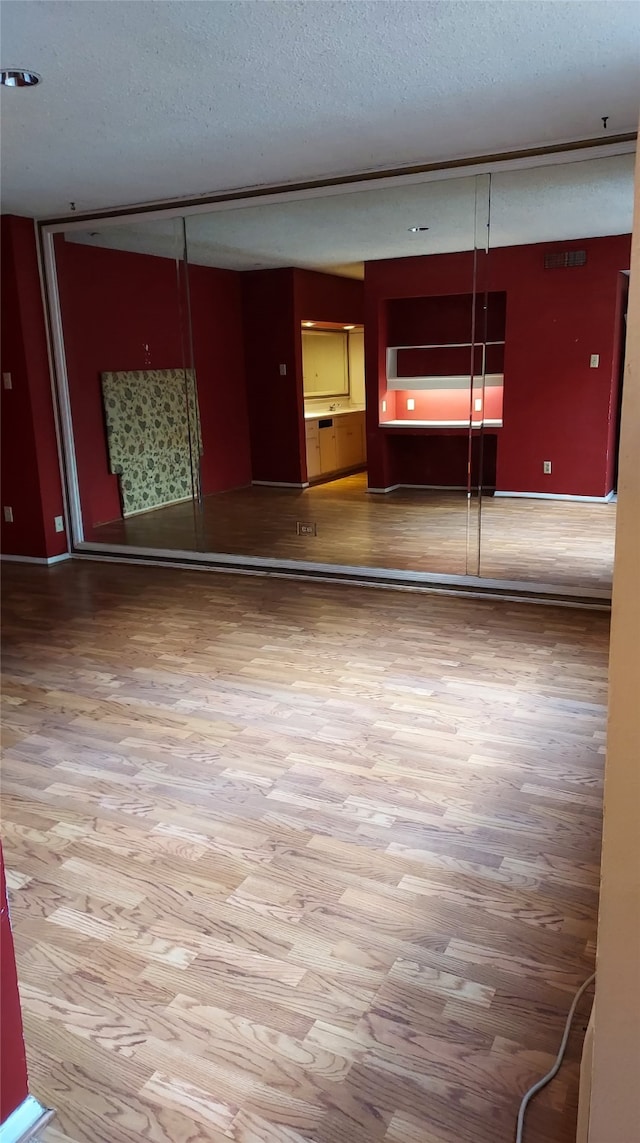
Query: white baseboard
[
  {"x": 281, "y": 483},
  {"x": 152, "y": 507},
  {"x": 46, "y": 562},
  {"x": 23, "y": 1123},
  {"x": 429, "y": 487},
  {"x": 437, "y": 487},
  {"x": 557, "y": 496}
]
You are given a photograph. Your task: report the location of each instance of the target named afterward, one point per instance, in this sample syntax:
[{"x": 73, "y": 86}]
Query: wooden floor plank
[{"x": 297, "y": 863}]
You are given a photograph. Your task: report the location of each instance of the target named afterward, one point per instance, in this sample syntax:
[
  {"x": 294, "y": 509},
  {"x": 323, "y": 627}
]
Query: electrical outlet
[
  {"x": 303, "y": 529},
  {"x": 59, "y": 523},
  {"x": 594, "y": 361},
  {"x": 283, "y": 371},
  {"x": 8, "y": 515},
  {"x": 546, "y": 467},
  {"x": 6, "y": 381},
  {"x": 411, "y": 404},
  {"x": 478, "y": 404},
  {"x": 384, "y": 406}
]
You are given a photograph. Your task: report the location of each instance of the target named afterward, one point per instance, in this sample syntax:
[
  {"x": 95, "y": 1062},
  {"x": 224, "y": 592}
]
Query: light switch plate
[
  {"x": 411, "y": 404},
  {"x": 6, "y": 381},
  {"x": 384, "y": 406},
  {"x": 8, "y": 515},
  {"x": 478, "y": 404},
  {"x": 59, "y": 523}
]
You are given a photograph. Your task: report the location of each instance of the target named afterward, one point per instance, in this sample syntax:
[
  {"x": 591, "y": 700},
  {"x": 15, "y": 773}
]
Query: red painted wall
[
  {"x": 616, "y": 392},
  {"x": 275, "y": 401},
  {"x": 377, "y": 287},
  {"x": 441, "y": 457},
  {"x": 218, "y": 350},
  {"x": 445, "y": 319},
  {"x": 555, "y": 407},
  {"x": 328, "y": 297},
  {"x": 14, "y": 1086},
  {"x": 30, "y": 472},
  {"x": 128, "y": 311},
  {"x": 448, "y": 361}
]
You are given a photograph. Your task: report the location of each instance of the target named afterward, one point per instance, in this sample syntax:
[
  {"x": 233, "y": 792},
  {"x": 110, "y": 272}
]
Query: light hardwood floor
[
  {"x": 295, "y": 863},
  {"x": 558, "y": 542}
]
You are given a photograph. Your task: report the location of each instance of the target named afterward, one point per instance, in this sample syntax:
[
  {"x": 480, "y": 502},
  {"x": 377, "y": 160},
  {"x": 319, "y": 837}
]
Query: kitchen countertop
[{"x": 314, "y": 416}]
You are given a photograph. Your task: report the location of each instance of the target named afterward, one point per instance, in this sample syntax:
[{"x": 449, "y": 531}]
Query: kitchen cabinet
[
  {"x": 314, "y": 466},
  {"x": 335, "y": 444},
  {"x": 350, "y": 441},
  {"x": 328, "y": 445}
]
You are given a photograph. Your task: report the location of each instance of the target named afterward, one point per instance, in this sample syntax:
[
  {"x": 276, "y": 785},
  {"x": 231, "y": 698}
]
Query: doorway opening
[{"x": 334, "y": 400}]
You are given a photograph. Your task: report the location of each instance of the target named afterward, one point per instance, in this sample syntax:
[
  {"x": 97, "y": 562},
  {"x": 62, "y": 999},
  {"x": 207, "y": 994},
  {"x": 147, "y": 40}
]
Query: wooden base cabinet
[
  {"x": 314, "y": 463},
  {"x": 335, "y": 444},
  {"x": 328, "y": 446},
  {"x": 350, "y": 440}
]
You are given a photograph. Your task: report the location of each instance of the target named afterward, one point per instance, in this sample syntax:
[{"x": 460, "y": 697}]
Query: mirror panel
[
  {"x": 131, "y": 383},
  {"x": 348, "y": 464},
  {"x": 560, "y": 244},
  {"x": 423, "y": 378}
]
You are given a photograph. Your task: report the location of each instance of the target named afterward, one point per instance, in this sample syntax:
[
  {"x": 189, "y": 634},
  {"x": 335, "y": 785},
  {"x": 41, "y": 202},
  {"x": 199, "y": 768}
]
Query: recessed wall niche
[{"x": 435, "y": 346}]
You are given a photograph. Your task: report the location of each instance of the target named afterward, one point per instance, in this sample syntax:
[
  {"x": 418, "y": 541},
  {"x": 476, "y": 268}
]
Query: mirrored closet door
[
  {"x": 338, "y": 354},
  {"x": 559, "y": 259},
  {"x": 130, "y": 387},
  {"x": 416, "y": 378}
]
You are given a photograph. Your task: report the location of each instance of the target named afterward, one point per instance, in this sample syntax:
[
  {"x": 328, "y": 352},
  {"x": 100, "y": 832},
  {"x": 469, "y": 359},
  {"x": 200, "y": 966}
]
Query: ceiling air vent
[{"x": 564, "y": 259}]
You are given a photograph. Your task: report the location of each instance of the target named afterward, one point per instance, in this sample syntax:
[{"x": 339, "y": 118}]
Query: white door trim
[{"x": 60, "y": 386}]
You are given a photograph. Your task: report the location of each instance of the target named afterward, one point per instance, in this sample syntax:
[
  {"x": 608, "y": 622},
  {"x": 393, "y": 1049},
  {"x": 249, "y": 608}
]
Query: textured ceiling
[
  {"x": 340, "y": 231},
  {"x": 145, "y": 100}
]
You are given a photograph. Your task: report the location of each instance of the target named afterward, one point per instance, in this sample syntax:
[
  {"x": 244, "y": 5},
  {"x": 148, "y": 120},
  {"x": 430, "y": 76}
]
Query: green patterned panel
[{"x": 153, "y": 435}]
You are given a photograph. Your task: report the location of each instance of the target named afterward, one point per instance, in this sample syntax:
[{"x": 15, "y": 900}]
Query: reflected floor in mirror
[{"x": 568, "y": 543}]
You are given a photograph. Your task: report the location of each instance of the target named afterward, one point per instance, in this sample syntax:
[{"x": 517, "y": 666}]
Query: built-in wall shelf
[
  {"x": 449, "y": 345},
  {"x": 437, "y": 372},
  {"x": 445, "y": 381},
  {"x": 415, "y": 424}
]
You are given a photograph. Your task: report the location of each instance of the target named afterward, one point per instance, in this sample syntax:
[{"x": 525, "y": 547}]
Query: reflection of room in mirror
[
  {"x": 564, "y": 335},
  {"x": 416, "y": 396}
]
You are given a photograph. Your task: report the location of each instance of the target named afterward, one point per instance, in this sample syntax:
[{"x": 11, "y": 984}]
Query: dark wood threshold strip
[{"x": 360, "y": 578}]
